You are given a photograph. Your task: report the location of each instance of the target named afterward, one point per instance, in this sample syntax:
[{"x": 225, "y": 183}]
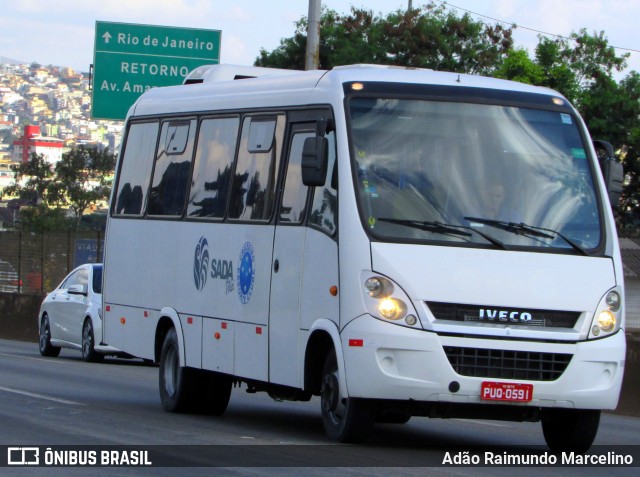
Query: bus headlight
[
  {"x": 387, "y": 301},
  {"x": 608, "y": 315},
  {"x": 392, "y": 308}
]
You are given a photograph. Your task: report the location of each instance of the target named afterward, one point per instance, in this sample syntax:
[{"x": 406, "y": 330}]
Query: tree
[
  {"x": 79, "y": 180},
  {"x": 430, "y": 37},
  {"x": 83, "y": 179}
]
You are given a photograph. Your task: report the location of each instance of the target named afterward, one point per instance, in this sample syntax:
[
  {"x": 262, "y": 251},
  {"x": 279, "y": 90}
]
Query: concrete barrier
[{"x": 18, "y": 322}]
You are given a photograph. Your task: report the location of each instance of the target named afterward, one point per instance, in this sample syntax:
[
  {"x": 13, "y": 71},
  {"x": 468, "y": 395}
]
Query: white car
[{"x": 71, "y": 315}]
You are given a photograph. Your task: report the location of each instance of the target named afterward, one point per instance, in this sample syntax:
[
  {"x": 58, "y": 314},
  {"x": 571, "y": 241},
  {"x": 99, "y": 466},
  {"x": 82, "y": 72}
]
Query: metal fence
[{"x": 33, "y": 263}]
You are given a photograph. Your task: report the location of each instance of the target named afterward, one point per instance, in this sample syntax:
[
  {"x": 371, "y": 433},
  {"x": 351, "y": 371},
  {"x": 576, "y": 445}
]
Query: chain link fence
[{"x": 34, "y": 264}]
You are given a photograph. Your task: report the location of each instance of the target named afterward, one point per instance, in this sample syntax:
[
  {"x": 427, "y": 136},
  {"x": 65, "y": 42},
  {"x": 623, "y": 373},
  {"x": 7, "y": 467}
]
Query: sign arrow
[{"x": 107, "y": 37}]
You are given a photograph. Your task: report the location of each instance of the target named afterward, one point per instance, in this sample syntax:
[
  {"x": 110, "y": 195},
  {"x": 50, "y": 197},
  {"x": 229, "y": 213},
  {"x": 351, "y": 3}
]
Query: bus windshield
[{"x": 503, "y": 176}]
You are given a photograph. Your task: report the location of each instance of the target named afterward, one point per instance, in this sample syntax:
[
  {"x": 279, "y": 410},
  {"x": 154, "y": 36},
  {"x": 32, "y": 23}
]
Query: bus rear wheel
[
  {"x": 344, "y": 419},
  {"x": 190, "y": 390},
  {"x": 570, "y": 430}
]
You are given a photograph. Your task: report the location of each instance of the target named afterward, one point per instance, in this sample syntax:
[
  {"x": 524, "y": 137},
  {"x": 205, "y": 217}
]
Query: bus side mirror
[
  {"x": 315, "y": 158},
  {"x": 613, "y": 178},
  {"x": 612, "y": 171}
]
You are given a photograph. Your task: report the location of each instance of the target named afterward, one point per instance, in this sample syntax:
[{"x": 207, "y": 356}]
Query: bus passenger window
[
  {"x": 294, "y": 198},
  {"x": 324, "y": 209},
  {"x": 212, "y": 168},
  {"x": 173, "y": 164},
  {"x": 135, "y": 168},
  {"x": 254, "y": 183}
]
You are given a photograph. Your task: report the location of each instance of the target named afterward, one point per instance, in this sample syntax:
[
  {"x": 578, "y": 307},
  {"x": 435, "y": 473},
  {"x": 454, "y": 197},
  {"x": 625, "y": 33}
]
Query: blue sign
[
  {"x": 86, "y": 251},
  {"x": 246, "y": 273}
]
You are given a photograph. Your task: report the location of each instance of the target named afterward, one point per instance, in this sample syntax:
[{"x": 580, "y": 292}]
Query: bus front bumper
[{"x": 387, "y": 361}]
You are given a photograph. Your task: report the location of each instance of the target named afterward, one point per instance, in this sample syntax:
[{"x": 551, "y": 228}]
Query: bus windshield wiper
[
  {"x": 439, "y": 227},
  {"x": 520, "y": 228}
]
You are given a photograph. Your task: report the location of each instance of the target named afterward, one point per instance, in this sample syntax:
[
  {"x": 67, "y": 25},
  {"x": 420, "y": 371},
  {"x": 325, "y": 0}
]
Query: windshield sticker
[
  {"x": 566, "y": 119},
  {"x": 246, "y": 273},
  {"x": 578, "y": 153}
]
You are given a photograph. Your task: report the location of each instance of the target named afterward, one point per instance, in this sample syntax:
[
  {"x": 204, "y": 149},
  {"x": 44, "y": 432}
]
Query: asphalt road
[{"x": 66, "y": 402}]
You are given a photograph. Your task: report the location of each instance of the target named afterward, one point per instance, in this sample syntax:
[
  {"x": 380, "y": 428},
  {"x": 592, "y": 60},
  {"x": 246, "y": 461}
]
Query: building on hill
[{"x": 32, "y": 142}]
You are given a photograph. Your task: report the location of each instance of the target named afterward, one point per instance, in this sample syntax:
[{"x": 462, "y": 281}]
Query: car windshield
[{"x": 460, "y": 172}]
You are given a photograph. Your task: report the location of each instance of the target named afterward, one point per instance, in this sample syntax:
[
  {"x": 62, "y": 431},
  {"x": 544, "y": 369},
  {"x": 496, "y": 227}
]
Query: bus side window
[
  {"x": 212, "y": 168},
  {"x": 254, "y": 183},
  {"x": 135, "y": 168},
  {"x": 173, "y": 165},
  {"x": 324, "y": 209},
  {"x": 294, "y": 198}
]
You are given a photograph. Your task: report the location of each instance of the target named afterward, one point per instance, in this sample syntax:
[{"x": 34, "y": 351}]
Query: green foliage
[
  {"x": 430, "y": 37},
  {"x": 79, "y": 180}
]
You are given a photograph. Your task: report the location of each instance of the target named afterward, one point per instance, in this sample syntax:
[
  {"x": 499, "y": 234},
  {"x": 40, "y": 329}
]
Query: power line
[{"x": 445, "y": 4}]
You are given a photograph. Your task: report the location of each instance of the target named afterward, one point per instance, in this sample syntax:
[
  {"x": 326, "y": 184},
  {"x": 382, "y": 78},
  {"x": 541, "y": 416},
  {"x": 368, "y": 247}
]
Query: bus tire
[
  {"x": 190, "y": 390},
  {"x": 344, "y": 419},
  {"x": 570, "y": 430},
  {"x": 175, "y": 380}
]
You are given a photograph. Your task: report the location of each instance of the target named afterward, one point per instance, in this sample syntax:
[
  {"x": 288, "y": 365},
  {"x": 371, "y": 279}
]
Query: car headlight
[
  {"x": 608, "y": 316},
  {"x": 387, "y": 301}
]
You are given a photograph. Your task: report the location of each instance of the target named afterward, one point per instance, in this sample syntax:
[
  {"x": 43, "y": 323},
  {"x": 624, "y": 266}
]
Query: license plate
[{"x": 512, "y": 392}]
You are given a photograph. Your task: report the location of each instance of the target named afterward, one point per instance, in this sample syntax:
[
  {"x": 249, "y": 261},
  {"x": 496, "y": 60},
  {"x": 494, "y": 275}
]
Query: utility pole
[{"x": 312, "y": 57}]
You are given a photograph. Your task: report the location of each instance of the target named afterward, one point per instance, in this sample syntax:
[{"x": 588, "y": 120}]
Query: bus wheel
[
  {"x": 185, "y": 389},
  {"x": 46, "y": 348},
  {"x": 570, "y": 430},
  {"x": 174, "y": 380},
  {"x": 344, "y": 419}
]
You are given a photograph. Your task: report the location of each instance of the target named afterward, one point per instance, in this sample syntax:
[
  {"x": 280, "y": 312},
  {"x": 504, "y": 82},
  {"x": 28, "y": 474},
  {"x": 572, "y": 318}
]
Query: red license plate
[{"x": 513, "y": 392}]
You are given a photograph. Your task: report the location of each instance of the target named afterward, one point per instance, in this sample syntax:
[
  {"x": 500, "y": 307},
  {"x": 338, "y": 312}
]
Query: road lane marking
[
  {"x": 41, "y": 396},
  {"x": 483, "y": 423},
  {"x": 47, "y": 360}
]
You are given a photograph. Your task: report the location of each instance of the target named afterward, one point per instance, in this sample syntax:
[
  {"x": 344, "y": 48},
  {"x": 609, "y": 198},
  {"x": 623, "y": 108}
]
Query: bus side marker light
[
  {"x": 258, "y": 330},
  {"x": 224, "y": 326},
  {"x": 190, "y": 320},
  {"x": 333, "y": 290},
  {"x": 123, "y": 320},
  {"x": 216, "y": 335},
  {"x": 107, "y": 308},
  {"x": 146, "y": 314},
  {"x": 356, "y": 342}
]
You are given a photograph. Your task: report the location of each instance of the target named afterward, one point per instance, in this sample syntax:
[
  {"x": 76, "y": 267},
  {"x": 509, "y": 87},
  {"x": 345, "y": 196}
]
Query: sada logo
[
  {"x": 246, "y": 273},
  {"x": 201, "y": 263}
]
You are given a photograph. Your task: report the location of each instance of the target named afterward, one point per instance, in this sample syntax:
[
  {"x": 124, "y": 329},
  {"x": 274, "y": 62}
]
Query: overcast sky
[{"x": 61, "y": 32}]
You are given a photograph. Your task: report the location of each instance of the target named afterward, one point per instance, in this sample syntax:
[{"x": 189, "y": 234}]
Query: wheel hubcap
[{"x": 170, "y": 371}]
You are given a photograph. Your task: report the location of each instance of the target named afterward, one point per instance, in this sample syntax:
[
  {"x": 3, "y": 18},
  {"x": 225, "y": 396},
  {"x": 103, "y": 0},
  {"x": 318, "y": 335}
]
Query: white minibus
[{"x": 399, "y": 242}]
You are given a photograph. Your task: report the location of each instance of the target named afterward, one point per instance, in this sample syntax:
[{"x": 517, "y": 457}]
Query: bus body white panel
[
  {"x": 319, "y": 275},
  {"x": 192, "y": 332},
  {"x": 218, "y": 345},
  {"x": 284, "y": 316},
  {"x": 129, "y": 327},
  {"x": 251, "y": 348},
  {"x": 396, "y": 362}
]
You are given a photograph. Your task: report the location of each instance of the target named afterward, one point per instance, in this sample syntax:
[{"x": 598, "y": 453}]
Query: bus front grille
[{"x": 506, "y": 364}]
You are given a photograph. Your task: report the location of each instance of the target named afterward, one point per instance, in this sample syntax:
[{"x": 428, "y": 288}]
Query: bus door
[
  {"x": 287, "y": 265},
  {"x": 304, "y": 261}
]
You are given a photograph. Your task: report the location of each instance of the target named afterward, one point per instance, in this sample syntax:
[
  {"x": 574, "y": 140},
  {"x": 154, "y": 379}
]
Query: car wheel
[
  {"x": 570, "y": 430},
  {"x": 89, "y": 353},
  {"x": 344, "y": 419},
  {"x": 46, "y": 348},
  {"x": 190, "y": 390}
]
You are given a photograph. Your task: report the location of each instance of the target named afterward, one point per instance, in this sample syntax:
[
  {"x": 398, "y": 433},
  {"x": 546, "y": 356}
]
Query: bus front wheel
[
  {"x": 570, "y": 430},
  {"x": 344, "y": 419}
]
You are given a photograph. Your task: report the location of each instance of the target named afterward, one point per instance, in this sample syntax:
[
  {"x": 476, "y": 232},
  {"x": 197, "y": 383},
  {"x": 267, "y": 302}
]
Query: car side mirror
[
  {"x": 78, "y": 289},
  {"x": 315, "y": 158}
]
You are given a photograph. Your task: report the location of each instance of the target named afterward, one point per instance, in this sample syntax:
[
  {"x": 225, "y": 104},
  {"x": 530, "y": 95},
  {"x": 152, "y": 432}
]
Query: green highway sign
[{"x": 129, "y": 59}]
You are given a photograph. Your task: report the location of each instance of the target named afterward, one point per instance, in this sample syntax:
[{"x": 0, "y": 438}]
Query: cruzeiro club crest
[
  {"x": 246, "y": 273},
  {"x": 201, "y": 263}
]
